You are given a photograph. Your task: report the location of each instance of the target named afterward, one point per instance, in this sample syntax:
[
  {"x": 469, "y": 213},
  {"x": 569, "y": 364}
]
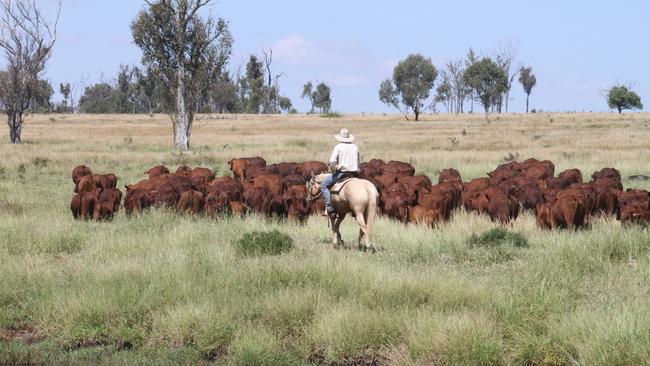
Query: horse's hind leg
[
  {"x": 363, "y": 231},
  {"x": 336, "y": 234}
]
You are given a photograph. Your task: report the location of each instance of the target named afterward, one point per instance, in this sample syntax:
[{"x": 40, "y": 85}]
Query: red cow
[
  {"x": 399, "y": 168},
  {"x": 157, "y": 171},
  {"x": 191, "y": 202}
]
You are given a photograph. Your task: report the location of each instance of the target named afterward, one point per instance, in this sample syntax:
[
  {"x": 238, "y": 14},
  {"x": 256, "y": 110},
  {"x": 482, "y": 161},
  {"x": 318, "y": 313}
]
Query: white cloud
[{"x": 295, "y": 50}]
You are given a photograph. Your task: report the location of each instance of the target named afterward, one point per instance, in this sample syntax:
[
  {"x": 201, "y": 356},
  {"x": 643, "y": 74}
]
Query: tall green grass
[{"x": 166, "y": 289}]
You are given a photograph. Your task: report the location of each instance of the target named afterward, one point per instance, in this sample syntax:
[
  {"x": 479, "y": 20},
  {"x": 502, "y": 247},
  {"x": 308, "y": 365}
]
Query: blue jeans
[{"x": 325, "y": 188}]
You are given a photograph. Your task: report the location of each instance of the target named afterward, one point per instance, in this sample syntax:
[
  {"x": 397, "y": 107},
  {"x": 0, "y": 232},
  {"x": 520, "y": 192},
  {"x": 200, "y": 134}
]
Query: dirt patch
[{"x": 25, "y": 335}]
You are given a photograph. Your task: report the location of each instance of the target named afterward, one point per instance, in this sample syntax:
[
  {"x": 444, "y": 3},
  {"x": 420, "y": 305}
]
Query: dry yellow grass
[{"x": 466, "y": 142}]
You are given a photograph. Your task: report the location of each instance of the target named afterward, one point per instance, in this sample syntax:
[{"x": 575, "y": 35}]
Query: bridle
[{"x": 311, "y": 197}]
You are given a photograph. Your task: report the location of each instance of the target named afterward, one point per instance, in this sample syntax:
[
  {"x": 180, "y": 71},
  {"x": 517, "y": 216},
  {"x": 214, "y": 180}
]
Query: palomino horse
[{"x": 357, "y": 197}]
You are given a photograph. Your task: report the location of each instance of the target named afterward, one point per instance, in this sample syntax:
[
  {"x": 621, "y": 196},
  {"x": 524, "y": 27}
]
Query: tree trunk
[
  {"x": 527, "y": 96},
  {"x": 15, "y": 123},
  {"x": 181, "y": 138},
  {"x": 417, "y": 113},
  {"x": 620, "y": 109}
]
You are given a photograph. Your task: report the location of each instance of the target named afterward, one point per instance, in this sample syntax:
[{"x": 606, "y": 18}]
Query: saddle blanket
[{"x": 339, "y": 185}]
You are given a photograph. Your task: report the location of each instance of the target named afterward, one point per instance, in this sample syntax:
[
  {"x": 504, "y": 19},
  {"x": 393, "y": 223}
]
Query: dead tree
[
  {"x": 505, "y": 57},
  {"x": 27, "y": 39}
]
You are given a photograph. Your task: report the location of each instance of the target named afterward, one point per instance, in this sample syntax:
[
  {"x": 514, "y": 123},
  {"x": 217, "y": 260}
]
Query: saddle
[{"x": 336, "y": 188}]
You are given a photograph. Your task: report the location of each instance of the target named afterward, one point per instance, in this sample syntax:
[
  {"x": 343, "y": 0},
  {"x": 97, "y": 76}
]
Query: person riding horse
[{"x": 344, "y": 163}]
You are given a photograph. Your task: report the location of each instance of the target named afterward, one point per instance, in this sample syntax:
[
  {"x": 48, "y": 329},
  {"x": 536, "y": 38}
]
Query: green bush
[
  {"x": 332, "y": 115},
  {"x": 497, "y": 237},
  {"x": 264, "y": 243}
]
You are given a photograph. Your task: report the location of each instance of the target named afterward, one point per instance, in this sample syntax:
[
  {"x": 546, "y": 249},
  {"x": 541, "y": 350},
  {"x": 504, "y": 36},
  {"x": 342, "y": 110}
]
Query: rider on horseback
[{"x": 344, "y": 162}]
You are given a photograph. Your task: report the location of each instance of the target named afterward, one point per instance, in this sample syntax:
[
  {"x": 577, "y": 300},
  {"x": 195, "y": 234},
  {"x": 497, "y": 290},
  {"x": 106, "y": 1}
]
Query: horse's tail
[{"x": 371, "y": 208}]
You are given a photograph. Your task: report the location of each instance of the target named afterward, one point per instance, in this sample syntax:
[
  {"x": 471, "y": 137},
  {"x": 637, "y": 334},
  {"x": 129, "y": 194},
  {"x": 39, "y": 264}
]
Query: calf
[{"x": 423, "y": 216}]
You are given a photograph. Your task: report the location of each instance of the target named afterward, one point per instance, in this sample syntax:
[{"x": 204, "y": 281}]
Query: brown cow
[
  {"x": 386, "y": 179},
  {"x": 471, "y": 189},
  {"x": 633, "y": 196},
  {"x": 86, "y": 184},
  {"x": 227, "y": 184},
  {"x": 79, "y": 172},
  {"x": 449, "y": 189},
  {"x": 295, "y": 202},
  {"x": 449, "y": 175},
  {"x": 294, "y": 180},
  {"x": 184, "y": 170},
  {"x": 259, "y": 199},
  {"x": 607, "y": 173},
  {"x": 395, "y": 205},
  {"x": 112, "y": 195},
  {"x": 284, "y": 169},
  {"x": 544, "y": 215},
  {"x": 89, "y": 200},
  {"x": 217, "y": 203},
  {"x": 165, "y": 196},
  {"x": 372, "y": 168},
  {"x": 399, "y": 168},
  {"x": 417, "y": 181},
  {"x": 105, "y": 211},
  {"x": 307, "y": 168},
  {"x": 200, "y": 178},
  {"x": 272, "y": 182},
  {"x": 191, "y": 202},
  {"x": 239, "y": 166},
  {"x": 238, "y": 209},
  {"x": 501, "y": 206},
  {"x": 157, "y": 171},
  {"x": 136, "y": 200},
  {"x": 636, "y": 213},
  {"x": 410, "y": 191},
  {"x": 570, "y": 210},
  {"x": 442, "y": 202}
]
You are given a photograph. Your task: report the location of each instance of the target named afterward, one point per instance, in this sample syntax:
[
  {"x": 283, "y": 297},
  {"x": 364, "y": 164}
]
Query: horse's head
[{"x": 313, "y": 188}]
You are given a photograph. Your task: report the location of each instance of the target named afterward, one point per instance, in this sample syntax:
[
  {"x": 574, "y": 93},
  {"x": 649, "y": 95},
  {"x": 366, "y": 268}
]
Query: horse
[{"x": 357, "y": 197}]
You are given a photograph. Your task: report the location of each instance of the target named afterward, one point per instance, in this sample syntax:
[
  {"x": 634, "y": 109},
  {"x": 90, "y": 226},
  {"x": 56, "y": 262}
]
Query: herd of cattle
[{"x": 279, "y": 190}]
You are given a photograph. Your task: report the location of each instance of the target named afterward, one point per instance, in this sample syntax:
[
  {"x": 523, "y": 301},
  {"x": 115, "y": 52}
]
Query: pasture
[{"x": 164, "y": 288}]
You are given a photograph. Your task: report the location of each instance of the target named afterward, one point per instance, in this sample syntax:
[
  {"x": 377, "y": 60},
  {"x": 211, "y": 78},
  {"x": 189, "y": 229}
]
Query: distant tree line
[{"x": 486, "y": 80}]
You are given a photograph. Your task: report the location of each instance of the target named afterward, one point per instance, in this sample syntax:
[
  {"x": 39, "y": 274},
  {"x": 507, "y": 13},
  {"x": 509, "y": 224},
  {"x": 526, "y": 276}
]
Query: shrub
[
  {"x": 40, "y": 162},
  {"x": 332, "y": 115},
  {"x": 264, "y": 243},
  {"x": 496, "y": 237}
]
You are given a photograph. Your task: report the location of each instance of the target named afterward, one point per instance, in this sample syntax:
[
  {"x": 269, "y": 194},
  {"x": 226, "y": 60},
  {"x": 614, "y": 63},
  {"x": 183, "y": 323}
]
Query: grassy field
[{"x": 168, "y": 289}]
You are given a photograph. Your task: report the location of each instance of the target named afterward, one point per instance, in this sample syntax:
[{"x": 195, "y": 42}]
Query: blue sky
[{"x": 576, "y": 48}]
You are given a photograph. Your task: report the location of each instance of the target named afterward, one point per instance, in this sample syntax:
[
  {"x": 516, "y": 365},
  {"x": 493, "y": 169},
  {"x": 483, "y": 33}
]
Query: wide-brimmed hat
[{"x": 344, "y": 136}]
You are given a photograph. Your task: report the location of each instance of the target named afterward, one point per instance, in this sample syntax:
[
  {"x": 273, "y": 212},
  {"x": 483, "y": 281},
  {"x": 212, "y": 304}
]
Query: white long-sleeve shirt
[{"x": 346, "y": 157}]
